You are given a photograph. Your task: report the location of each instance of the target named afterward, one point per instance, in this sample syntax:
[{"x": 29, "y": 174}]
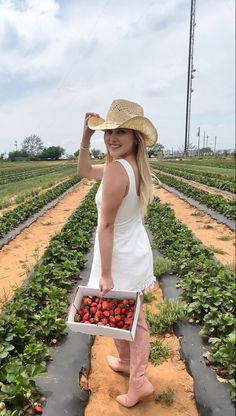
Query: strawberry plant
[
  {"x": 218, "y": 203},
  {"x": 14, "y": 217},
  {"x": 34, "y": 316},
  {"x": 208, "y": 287}
]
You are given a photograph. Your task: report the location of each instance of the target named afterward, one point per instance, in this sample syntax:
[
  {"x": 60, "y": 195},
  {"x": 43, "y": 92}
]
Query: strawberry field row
[
  {"x": 216, "y": 202},
  {"x": 13, "y": 218},
  {"x": 206, "y": 178},
  {"x": 17, "y": 175},
  {"x": 34, "y": 318},
  {"x": 209, "y": 289}
]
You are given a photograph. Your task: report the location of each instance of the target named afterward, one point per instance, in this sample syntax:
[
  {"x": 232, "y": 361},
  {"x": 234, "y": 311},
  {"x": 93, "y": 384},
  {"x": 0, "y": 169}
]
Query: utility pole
[
  {"x": 199, "y": 138},
  {"x": 15, "y": 144},
  {"x": 207, "y": 137},
  {"x": 204, "y": 140},
  {"x": 191, "y": 70},
  {"x": 215, "y": 146}
]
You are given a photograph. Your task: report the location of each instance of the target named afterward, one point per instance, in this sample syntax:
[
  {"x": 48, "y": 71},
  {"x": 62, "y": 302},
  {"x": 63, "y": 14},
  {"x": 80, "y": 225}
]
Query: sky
[{"x": 61, "y": 58}]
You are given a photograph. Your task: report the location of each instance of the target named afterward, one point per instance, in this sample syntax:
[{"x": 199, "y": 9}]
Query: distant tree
[
  {"x": 12, "y": 156},
  {"x": 95, "y": 153},
  {"x": 157, "y": 149},
  {"x": 76, "y": 154},
  {"x": 205, "y": 151},
  {"x": 2, "y": 155},
  {"x": 33, "y": 145},
  {"x": 52, "y": 152}
]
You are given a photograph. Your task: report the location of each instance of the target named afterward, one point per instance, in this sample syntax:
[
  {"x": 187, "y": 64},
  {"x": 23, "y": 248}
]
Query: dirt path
[
  {"x": 202, "y": 225},
  {"x": 105, "y": 384},
  {"x": 21, "y": 254},
  {"x": 199, "y": 186}
]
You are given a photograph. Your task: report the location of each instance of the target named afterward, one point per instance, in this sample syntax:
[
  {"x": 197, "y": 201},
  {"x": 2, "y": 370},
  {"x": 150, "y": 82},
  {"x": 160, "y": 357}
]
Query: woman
[{"x": 122, "y": 252}]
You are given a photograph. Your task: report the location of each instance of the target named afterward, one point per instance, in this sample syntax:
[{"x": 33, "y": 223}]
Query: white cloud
[{"x": 60, "y": 59}]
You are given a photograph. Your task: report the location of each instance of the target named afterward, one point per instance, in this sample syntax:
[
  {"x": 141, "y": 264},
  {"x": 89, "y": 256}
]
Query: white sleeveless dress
[{"x": 132, "y": 260}]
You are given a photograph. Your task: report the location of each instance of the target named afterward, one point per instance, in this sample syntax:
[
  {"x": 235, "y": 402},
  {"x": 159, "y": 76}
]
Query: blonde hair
[{"x": 145, "y": 172}]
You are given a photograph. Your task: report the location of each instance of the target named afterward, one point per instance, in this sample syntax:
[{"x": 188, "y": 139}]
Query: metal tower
[{"x": 191, "y": 71}]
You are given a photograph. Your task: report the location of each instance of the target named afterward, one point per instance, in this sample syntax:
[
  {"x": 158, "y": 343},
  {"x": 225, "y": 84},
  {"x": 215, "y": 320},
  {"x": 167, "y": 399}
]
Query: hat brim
[{"x": 138, "y": 123}]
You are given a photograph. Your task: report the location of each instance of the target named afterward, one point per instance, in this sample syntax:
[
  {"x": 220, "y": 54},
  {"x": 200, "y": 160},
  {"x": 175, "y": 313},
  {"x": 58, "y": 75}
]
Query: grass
[
  {"x": 148, "y": 297},
  {"x": 197, "y": 213},
  {"x": 170, "y": 311},
  {"x": 159, "y": 352},
  {"x": 217, "y": 250},
  {"x": 207, "y": 227},
  {"x": 225, "y": 238},
  {"x": 166, "y": 397},
  {"x": 162, "y": 266},
  {"x": 31, "y": 186}
]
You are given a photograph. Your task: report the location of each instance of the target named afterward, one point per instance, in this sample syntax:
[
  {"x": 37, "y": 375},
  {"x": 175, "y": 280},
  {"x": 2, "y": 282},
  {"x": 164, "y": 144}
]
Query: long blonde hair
[{"x": 145, "y": 172}]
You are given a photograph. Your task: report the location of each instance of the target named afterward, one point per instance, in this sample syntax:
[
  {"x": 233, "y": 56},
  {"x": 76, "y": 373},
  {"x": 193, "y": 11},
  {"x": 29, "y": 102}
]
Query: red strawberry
[
  {"x": 130, "y": 314},
  {"x": 94, "y": 304},
  {"x": 120, "y": 324},
  {"x": 38, "y": 409},
  {"x": 208, "y": 363},
  {"x": 106, "y": 313},
  {"x": 118, "y": 318},
  {"x": 86, "y": 317},
  {"x": 117, "y": 311},
  {"x": 104, "y": 321},
  {"x": 99, "y": 315},
  {"x": 112, "y": 325},
  {"x": 123, "y": 311},
  {"x": 81, "y": 312},
  {"x": 93, "y": 309},
  {"x": 112, "y": 319},
  {"x": 87, "y": 301},
  {"x": 128, "y": 321}
]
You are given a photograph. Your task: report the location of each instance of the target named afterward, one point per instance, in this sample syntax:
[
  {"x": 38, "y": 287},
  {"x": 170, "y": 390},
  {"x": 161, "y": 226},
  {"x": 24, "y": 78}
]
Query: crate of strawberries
[{"x": 114, "y": 315}]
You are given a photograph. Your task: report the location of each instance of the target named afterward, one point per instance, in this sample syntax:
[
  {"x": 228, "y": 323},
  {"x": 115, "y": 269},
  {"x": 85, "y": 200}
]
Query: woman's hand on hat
[
  {"x": 105, "y": 284},
  {"x": 87, "y": 133}
]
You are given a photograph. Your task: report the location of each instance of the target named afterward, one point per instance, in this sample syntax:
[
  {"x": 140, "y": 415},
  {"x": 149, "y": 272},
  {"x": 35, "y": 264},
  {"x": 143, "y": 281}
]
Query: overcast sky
[{"x": 61, "y": 58}]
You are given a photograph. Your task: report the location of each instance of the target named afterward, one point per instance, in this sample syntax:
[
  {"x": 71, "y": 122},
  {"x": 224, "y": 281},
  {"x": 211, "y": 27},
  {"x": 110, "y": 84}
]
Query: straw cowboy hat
[{"x": 129, "y": 115}]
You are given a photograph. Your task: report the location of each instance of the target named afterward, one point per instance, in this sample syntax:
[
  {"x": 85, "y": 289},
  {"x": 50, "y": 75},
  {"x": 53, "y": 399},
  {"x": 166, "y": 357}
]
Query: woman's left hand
[{"x": 105, "y": 284}]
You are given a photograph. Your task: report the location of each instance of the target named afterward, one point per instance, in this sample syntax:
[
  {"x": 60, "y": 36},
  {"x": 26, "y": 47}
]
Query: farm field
[
  {"x": 55, "y": 245},
  {"x": 22, "y": 181}
]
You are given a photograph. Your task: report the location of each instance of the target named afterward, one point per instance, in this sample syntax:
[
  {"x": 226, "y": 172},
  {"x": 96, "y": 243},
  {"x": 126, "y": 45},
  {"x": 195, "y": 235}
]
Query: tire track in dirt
[
  {"x": 21, "y": 254},
  {"x": 206, "y": 229}
]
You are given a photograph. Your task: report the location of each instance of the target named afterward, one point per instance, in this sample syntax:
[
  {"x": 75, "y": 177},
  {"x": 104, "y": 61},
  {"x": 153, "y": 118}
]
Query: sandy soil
[
  {"x": 21, "y": 254},
  {"x": 200, "y": 226},
  {"x": 105, "y": 384},
  {"x": 200, "y": 186},
  {"x": 13, "y": 205}
]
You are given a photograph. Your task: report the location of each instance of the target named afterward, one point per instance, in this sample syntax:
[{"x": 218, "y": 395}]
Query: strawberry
[
  {"x": 87, "y": 301},
  {"x": 99, "y": 315},
  {"x": 104, "y": 321},
  {"x": 112, "y": 319},
  {"x": 93, "y": 304},
  {"x": 128, "y": 321},
  {"x": 112, "y": 325},
  {"x": 117, "y": 311},
  {"x": 81, "y": 312},
  {"x": 131, "y": 302},
  {"x": 93, "y": 309},
  {"x": 208, "y": 363},
  {"x": 123, "y": 311},
  {"x": 86, "y": 317},
  {"x": 106, "y": 314},
  {"x": 118, "y": 318},
  {"x": 130, "y": 314},
  {"x": 38, "y": 409},
  {"x": 120, "y": 324}
]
